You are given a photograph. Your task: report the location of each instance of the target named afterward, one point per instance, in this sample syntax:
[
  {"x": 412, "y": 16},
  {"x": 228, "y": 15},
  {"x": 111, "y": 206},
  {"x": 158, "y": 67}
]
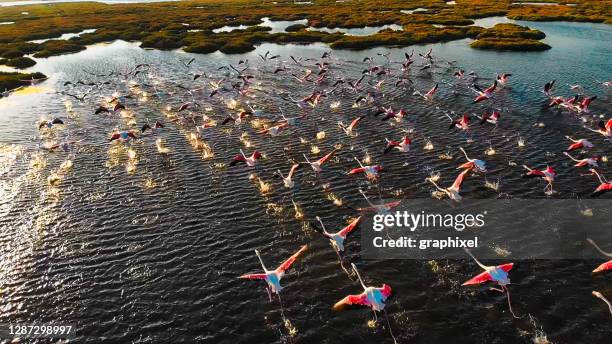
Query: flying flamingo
[
  {"x": 402, "y": 146},
  {"x": 274, "y": 130},
  {"x": 578, "y": 144},
  {"x": 349, "y": 129},
  {"x": 123, "y": 136},
  {"x": 473, "y": 164},
  {"x": 486, "y": 94},
  {"x": 498, "y": 274},
  {"x": 588, "y": 162},
  {"x": 50, "y": 123},
  {"x": 371, "y": 171},
  {"x": 547, "y": 174},
  {"x": 273, "y": 277},
  {"x": 492, "y": 118},
  {"x": 503, "y": 79},
  {"x": 250, "y": 161},
  {"x": 453, "y": 191},
  {"x": 372, "y": 297},
  {"x": 383, "y": 209},
  {"x": 429, "y": 95},
  {"x": 548, "y": 87},
  {"x": 398, "y": 116},
  {"x": 462, "y": 123},
  {"x": 584, "y": 104},
  {"x": 605, "y": 185},
  {"x": 288, "y": 181},
  {"x": 317, "y": 165},
  {"x": 337, "y": 239},
  {"x": 605, "y": 266},
  {"x": 604, "y": 129}
]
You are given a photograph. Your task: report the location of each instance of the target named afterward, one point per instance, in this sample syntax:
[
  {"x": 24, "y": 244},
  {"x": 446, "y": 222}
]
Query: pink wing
[
  {"x": 574, "y": 146},
  {"x": 287, "y": 263},
  {"x": 491, "y": 88},
  {"x": 393, "y": 204},
  {"x": 361, "y": 299},
  {"x": 325, "y": 158},
  {"x": 346, "y": 230},
  {"x": 485, "y": 277},
  {"x": 609, "y": 124},
  {"x": 457, "y": 184},
  {"x": 603, "y": 267},
  {"x": 253, "y": 276},
  {"x": 357, "y": 170},
  {"x": 293, "y": 169}
]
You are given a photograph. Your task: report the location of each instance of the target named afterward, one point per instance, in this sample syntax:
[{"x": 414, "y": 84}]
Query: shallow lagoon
[{"x": 113, "y": 254}]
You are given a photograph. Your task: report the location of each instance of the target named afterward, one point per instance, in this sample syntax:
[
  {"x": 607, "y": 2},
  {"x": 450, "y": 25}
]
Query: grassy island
[
  {"x": 9, "y": 81},
  {"x": 510, "y": 37},
  {"x": 190, "y": 24}
]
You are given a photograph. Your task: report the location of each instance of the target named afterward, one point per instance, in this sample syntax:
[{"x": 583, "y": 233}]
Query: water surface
[{"x": 134, "y": 263}]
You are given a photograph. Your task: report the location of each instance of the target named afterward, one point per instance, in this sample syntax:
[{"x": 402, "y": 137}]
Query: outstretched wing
[
  {"x": 287, "y": 263},
  {"x": 349, "y": 228},
  {"x": 603, "y": 267},
  {"x": 459, "y": 180},
  {"x": 361, "y": 299},
  {"x": 326, "y": 157},
  {"x": 485, "y": 276},
  {"x": 253, "y": 276}
]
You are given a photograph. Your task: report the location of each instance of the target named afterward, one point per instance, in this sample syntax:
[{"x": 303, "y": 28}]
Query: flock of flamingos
[{"x": 184, "y": 105}]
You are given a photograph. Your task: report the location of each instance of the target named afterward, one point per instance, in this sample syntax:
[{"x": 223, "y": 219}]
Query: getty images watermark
[{"x": 517, "y": 228}]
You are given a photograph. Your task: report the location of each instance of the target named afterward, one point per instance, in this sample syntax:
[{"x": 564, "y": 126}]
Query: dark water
[{"x": 133, "y": 263}]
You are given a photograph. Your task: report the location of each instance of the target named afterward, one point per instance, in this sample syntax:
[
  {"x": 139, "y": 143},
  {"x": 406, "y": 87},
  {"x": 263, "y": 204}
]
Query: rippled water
[{"x": 152, "y": 255}]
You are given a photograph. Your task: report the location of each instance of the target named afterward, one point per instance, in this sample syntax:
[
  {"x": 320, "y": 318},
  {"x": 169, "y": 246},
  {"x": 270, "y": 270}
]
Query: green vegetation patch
[
  {"x": 9, "y": 81},
  {"x": 58, "y": 47},
  {"x": 20, "y": 62},
  {"x": 510, "y": 37}
]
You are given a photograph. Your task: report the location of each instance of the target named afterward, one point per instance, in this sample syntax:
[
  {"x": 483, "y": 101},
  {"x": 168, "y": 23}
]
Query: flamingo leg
[
  {"x": 509, "y": 302},
  {"x": 389, "y": 325}
]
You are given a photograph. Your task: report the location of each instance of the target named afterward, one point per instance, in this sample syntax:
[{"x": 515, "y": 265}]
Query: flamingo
[
  {"x": 50, "y": 123},
  {"x": 397, "y": 115},
  {"x": 486, "y": 94},
  {"x": 604, "y": 185},
  {"x": 453, "y": 191},
  {"x": 337, "y": 239},
  {"x": 382, "y": 209},
  {"x": 250, "y": 161},
  {"x": 430, "y": 94},
  {"x": 372, "y": 172},
  {"x": 288, "y": 180},
  {"x": 123, "y": 136},
  {"x": 273, "y": 277},
  {"x": 349, "y": 129},
  {"x": 155, "y": 126},
  {"x": 373, "y": 297},
  {"x": 547, "y": 174},
  {"x": 317, "y": 165},
  {"x": 274, "y": 130},
  {"x": 503, "y": 79},
  {"x": 402, "y": 146},
  {"x": 604, "y": 129},
  {"x": 548, "y": 87},
  {"x": 475, "y": 165},
  {"x": 578, "y": 144},
  {"x": 492, "y": 118},
  {"x": 584, "y": 104},
  {"x": 498, "y": 274},
  {"x": 605, "y": 266},
  {"x": 462, "y": 123},
  {"x": 588, "y": 162}
]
